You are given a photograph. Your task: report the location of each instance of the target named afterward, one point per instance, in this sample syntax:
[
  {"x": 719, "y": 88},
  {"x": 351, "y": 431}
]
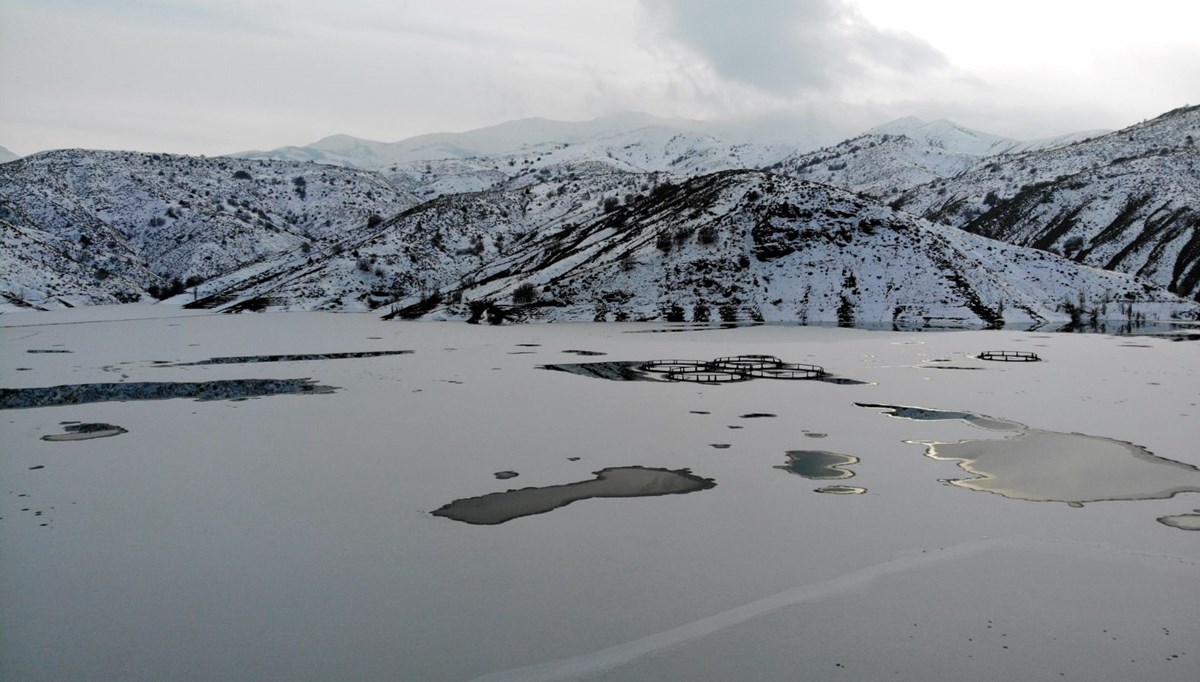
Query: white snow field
[{"x": 291, "y": 537}]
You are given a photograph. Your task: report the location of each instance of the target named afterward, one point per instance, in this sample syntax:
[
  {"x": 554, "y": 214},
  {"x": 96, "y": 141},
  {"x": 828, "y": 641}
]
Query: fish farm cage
[
  {"x": 733, "y": 368},
  {"x": 1009, "y": 356}
]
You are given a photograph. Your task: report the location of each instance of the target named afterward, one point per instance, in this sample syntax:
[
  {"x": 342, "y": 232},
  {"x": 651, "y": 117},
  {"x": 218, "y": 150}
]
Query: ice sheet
[{"x": 291, "y": 537}]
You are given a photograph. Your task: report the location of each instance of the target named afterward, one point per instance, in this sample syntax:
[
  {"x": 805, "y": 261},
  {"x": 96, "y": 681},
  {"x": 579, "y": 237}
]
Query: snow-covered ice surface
[{"x": 291, "y": 536}]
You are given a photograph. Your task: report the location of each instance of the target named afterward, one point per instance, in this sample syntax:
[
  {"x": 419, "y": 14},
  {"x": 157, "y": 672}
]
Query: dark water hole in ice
[
  {"x": 841, "y": 490},
  {"x": 86, "y": 432},
  {"x": 633, "y": 481},
  {"x": 229, "y": 389},
  {"x": 819, "y": 464}
]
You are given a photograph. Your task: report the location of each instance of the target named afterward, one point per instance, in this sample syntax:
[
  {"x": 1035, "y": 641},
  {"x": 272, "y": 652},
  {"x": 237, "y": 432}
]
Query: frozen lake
[{"x": 255, "y": 500}]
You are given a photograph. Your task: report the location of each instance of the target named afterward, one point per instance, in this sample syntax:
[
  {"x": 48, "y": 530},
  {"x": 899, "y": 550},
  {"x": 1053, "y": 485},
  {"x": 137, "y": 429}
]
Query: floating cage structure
[
  {"x": 789, "y": 371},
  {"x": 674, "y": 366},
  {"x": 746, "y": 363},
  {"x": 733, "y": 368},
  {"x": 707, "y": 376},
  {"x": 1009, "y": 356}
]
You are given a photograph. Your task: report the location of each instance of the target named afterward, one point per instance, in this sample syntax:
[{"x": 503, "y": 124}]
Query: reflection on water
[
  {"x": 1182, "y": 521},
  {"x": 633, "y": 481},
  {"x": 229, "y": 389},
  {"x": 613, "y": 371},
  {"x": 1052, "y": 466},
  {"x": 693, "y": 327},
  {"x": 625, "y": 370},
  {"x": 247, "y": 359},
  {"x": 819, "y": 464}
]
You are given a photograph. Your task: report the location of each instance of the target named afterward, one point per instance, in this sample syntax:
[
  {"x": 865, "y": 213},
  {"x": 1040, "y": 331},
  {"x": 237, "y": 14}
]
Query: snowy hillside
[
  {"x": 41, "y": 270},
  {"x": 879, "y": 165},
  {"x": 750, "y": 245},
  {"x": 6, "y": 155},
  {"x": 148, "y": 219},
  {"x": 427, "y": 247},
  {"x": 1128, "y": 200}
]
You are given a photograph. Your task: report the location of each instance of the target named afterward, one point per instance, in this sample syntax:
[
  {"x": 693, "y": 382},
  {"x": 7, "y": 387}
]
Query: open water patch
[
  {"x": 1051, "y": 466},
  {"x": 925, "y": 414},
  {"x": 228, "y": 389},
  {"x": 632, "y": 481},
  {"x": 47, "y": 350},
  {"x": 301, "y": 357},
  {"x": 841, "y": 490},
  {"x": 86, "y": 432},
  {"x": 820, "y": 465}
]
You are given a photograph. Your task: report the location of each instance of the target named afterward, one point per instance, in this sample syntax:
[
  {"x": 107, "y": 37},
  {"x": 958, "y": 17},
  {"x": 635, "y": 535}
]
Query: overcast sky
[{"x": 218, "y": 76}]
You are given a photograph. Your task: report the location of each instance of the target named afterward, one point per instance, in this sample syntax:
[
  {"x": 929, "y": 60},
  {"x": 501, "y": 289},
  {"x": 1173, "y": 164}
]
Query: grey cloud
[{"x": 790, "y": 46}]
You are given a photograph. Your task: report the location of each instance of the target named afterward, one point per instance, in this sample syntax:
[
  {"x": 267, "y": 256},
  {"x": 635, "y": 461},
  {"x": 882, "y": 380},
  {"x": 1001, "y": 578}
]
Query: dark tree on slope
[
  {"x": 663, "y": 242},
  {"x": 526, "y": 292}
]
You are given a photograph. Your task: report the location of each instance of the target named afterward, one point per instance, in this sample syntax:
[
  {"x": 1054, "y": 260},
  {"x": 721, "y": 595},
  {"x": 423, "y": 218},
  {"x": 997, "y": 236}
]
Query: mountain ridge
[
  {"x": 1128, "y": 200},
  {"x": 85, "y": 227}
]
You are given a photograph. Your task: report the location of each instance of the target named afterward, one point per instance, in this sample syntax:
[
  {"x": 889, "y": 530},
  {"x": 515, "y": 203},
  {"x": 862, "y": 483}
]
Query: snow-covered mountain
[
  {"x": 6, "y": 155},
  {"x": 521, "y": 152},
  {"x": 512, "y": 137},
  {"x": 100, "y": 227},
  {"x": 1129, "y": 200},
  {"x": 958, "y": 139},
  {"x": 895, "y": 157},
  {"x": 748, "y": 245},
  {"x": 624, "y": 218}
]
